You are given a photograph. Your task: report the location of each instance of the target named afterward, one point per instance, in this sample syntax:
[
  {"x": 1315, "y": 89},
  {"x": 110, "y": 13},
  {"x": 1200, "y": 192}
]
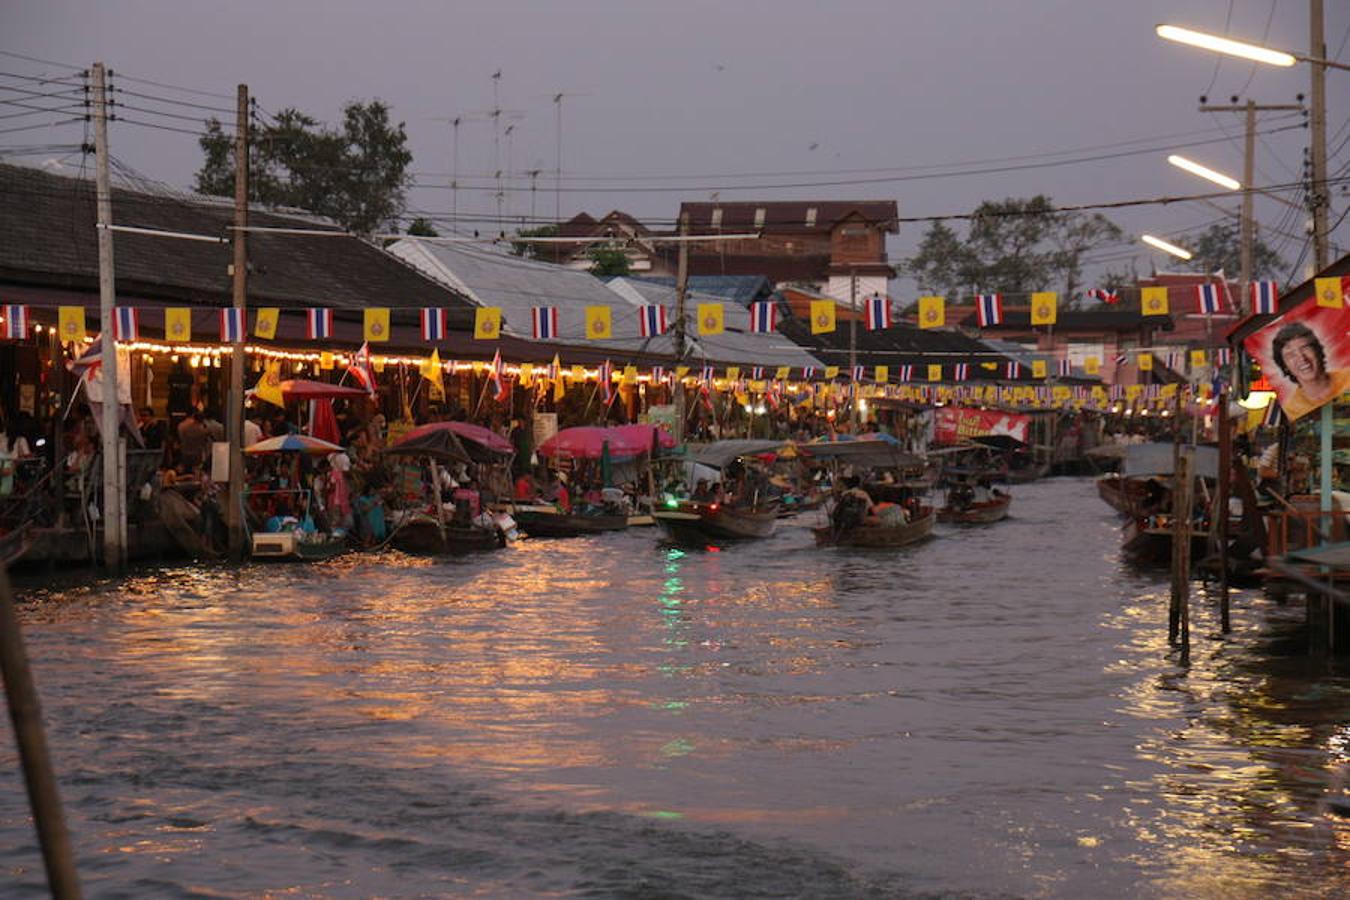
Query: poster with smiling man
[{"x": 1305, "y": 354}]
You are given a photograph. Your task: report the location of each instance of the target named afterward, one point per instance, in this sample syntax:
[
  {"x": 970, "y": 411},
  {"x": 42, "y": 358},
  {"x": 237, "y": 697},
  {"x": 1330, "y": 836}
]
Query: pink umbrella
[
  {"x": 588, "y": 442},
  {"x": 466, "y": 430},
  {"x": 301, "y": 389},
  {"x": 643, "y": 434}
]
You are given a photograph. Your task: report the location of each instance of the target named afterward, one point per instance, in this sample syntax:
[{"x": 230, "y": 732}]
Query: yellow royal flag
[
  {"x": 1329, "y": 292},
  {"x": 831, "y": 372},
  {"x": 1135, "y": 391},
  {"x": 681, "y": 372},
  {"x": 782, "y": 373},
  {"x": 268, "y": 387},
  {"x": 487, "y": 323},
  {"x": 265, "y": 325},
  {"x": 599, "y": 325},
  {"x": 733, "y": 373},
  {"x": 431, "y": 369},
  {"x": 934, "y": 372},
  {"x": 1153, "y": 301},
  {"x": 1199, "y": 359},
  {"x": 178, "y": 324},
  {"x": 1092, "y": 365},
  {"x": 377, "y": 325},
  {"x": 1168, "y": 390},
  {"x": 630, "y": 375},
  {"x": 578, "y": 373},
  {"x": 70, "y": 323},
  {"x": 883, "y": 374},
  {"x": 1044, "y": 307},
  {"x": 932, "y": 312},
  {"x": 1038, "y": 368},
  {"x": 710, "y": 318},
  {"x": 526, "y": 374},
  {"x": 1145, "y": 361},
  {"x": 822, "y": 317},
  {"x": 325, "y": 360}
]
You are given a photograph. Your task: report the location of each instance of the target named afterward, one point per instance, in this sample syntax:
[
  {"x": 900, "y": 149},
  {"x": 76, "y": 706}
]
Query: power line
[
  {"x": 170, "y": 100},
  {"x": 41, "y": 125}
]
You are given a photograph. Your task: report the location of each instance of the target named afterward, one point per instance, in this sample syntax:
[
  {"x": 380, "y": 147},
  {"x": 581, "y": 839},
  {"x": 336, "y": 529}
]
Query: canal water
[{"x": 993, "y": 712}]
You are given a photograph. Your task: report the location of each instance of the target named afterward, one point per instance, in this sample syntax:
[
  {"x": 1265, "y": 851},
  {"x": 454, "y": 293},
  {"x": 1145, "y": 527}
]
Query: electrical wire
[
  {"x": 170, "y": 100},
  {"x": 41, "y": 125},
  {"x": 196, "y": 134}
]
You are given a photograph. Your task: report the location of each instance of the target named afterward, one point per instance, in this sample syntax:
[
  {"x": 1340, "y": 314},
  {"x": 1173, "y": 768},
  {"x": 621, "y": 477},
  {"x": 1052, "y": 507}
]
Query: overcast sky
[{"x": 743, "y": 98}]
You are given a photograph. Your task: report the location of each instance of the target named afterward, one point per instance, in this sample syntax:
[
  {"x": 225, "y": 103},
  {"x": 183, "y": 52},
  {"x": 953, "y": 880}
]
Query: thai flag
[
  {"x": 1174, "y": 361},
  {"x": 87, "y": 363},
  {"x": 907, "y": 373},
  {"x": 433, "y": 324},
  {"x": 606, "y": 382},
  {"x": 658, "y": 374},
  {"x": 962, "y": 371},
  {"x": 1014, "y": 370},
  {"x": 1103, "y": 295},
  {"x": 231, "y": 325},
  {"x": 763, "y": 316},
  {"x": 808, "y": 372},
  {"x": 16, "y": 322},
  {"x": 545, "y": 320},
  {"x": 857, "y": 373},
  {"x": 1265, "y": 298},
  {"x": 1274, "y": 415},
  {"x": 126, "y": 324},
  {"x": 652, "y": 320},
  {"x": 361, "y": 369},
  {"x": 707, "y": 374},
  {"x": 878, "y": 312},
  {"x": 757, "y": 373},
  {"x": 1065, "y": 368},
  {"x": 552, "y": 370},
  {"x": 990, "y": 309},
  {"x": 1223, "y": 356},
  {"x": 501, "y": 389},
  {"x": 1208, "y": 297},
  {"x": 1117, "y": 391},
  {"x": 319, "y": 324}
]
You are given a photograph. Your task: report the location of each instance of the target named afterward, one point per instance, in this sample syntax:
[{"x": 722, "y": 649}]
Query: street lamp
[
  {"x": 1204, "y": 172},
  {"x": 1164, "y": 246},
  {"x": 1225, "y": 45}
]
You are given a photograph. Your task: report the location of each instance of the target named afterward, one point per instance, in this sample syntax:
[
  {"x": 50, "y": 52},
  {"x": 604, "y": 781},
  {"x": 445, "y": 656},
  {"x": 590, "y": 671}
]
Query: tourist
[{"x": 193, "y": 439}]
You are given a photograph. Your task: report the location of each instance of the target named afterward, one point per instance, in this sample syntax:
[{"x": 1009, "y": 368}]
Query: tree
[
  {"x": 1220, "y": 247},
  {"x": 943, "y": 265},
  {"x": 533, "y": 249},
  {"x": 356, "y": 177},
  {"x": 606, "y": 261},
  {"x": 1073, "y": 235},
  {"x": 420, "y": 227},
  {"x": 1008, "y": 238}
]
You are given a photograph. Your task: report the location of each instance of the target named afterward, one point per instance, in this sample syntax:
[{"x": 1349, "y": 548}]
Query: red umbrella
[
  {"x": 300, "y": 389},
  {"x": 643, "y": 434},
  {"x": 588, "y": 442}
]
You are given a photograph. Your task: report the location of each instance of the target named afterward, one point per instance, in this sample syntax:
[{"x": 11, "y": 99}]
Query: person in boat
[
  {"x": 854, "y": 507},
  {"x": 702, "y": 492},
  {"x": 556, "y": 493},
  {"x": 526, "y": 489},
  {"x": 468, "y": 502},
  {"x": 961, "y": 496}
]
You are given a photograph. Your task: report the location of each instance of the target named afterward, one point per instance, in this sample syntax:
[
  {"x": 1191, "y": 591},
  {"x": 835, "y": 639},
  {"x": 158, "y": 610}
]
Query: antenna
[
  {"x": 557, "y": 170},
  {"x": 497, "y": 114}
]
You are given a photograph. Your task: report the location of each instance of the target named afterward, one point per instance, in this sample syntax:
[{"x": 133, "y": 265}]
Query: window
[
  {"x": 717, "y": 217},
  {"x": 810, "y": 217},
  {"x": 759, "y": 217}
]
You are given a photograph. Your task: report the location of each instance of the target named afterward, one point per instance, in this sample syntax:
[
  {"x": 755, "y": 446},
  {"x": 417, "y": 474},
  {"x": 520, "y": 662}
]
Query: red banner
[{"x": 954, "y": 424}]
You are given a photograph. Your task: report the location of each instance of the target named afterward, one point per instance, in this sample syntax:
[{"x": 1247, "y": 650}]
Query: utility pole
[
  {"x": 1319, "y": 197},
  {"x": 681, "y": 290},
  {"x": 1247, "y": 219},
  {"x": 114, "y": 473},
  {"x": 853, "y": 345},
  {"x": 234, "y": 513}
]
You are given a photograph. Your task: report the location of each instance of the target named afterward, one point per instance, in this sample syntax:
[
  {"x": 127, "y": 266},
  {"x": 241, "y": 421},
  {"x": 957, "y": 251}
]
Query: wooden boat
[
  {"x": 1027, "y": 473},
  {"x": 977, "y": 512},
  {"x": 295, "y": 546},
  {"x": 422, "y": 535},
  {"x": 917, "y": 529},
  {"x": 1148, "y": 540},
  {"x": 697, "y": 524},
  {"x": 544, "y": 520}
]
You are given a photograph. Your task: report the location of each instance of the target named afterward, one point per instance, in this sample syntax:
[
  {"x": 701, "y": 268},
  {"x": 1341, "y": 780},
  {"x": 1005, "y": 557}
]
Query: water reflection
[{"x": 1003, "y": 694}]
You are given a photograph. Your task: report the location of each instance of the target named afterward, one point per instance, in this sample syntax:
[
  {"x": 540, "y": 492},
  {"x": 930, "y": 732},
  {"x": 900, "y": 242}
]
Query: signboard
[
  {"x": 954, "y": 424},
  {"x": 1305, "y": 354},
  {"x": 662, "y": 414},
  {"x": 545, "y": 427}
]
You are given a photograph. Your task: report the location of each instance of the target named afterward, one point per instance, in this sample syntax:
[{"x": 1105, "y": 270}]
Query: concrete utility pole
[
  {"x": 853, "y": 345},
  {"x": 114, "y": 460},
  {"x": 1319, "y": 198},
  {"x": 681, "y": 290},
  {"x": 1247, "y": 220},
  {"x": 234, "y": 434}
]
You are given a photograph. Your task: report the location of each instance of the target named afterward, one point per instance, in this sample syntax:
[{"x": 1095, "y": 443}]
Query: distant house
[
  {"x": 644, "y": 257},
  {"x": 823, "y": 245}
]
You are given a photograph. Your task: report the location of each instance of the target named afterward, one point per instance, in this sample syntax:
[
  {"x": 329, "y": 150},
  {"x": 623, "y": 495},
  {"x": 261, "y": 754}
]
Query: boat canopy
[
  {"x": 719, "y": 453},
  {"x": 1156, "y": 459},
  {"x": 869, "y": 454}
]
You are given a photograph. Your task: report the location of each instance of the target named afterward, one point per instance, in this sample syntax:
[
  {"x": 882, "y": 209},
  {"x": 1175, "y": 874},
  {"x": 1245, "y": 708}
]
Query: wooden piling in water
[
  {"x": 1179, "y": 619},
  {"x": 38, "y": 775},
  {"x": 1221, "y": 522}
]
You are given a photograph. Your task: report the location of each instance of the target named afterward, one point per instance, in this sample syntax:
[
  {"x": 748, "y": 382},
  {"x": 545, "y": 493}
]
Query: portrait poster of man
[{"x": 1306, "y": 356}]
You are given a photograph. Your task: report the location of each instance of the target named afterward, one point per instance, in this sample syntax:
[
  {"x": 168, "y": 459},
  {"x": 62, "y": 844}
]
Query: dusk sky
[{"x": 750, "y": 100}]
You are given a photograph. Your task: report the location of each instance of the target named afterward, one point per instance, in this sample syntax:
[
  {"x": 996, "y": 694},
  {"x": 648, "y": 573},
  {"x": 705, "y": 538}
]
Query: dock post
[{"x": 1225, "y": 490}]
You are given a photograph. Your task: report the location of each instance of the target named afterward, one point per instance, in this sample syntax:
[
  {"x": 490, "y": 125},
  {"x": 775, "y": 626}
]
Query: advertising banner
[
  {"x": 955, "y": 424},
  {"x": 1305, "y": 354}
]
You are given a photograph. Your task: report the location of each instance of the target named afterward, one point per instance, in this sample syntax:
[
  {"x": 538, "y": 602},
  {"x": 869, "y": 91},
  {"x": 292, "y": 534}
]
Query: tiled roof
[
  {"x": 48, "y": 238},
  {"x": 788, "y": 215}
]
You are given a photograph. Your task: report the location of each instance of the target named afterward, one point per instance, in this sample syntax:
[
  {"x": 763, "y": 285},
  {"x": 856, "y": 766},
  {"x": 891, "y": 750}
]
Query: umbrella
[
  {"x": 294, "y": 443},
  {"x": 436, "y": 439},
  {"x": 468, "y": 431},
  {"x": 301, "y": 389},
  {"x": 588, "y": 442},
  {"x": 647, "y": 435}
]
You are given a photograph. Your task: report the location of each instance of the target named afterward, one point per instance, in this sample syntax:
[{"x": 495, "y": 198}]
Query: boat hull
[
  {"x": 543, "y": 523},
  {"x": 982, "y": 513},
  {"x": 697, "y": 524},
  {"x": 426, "y": 537},
  {"x": 878, "y": 535},
  {"x": 290, "y": 547}
]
